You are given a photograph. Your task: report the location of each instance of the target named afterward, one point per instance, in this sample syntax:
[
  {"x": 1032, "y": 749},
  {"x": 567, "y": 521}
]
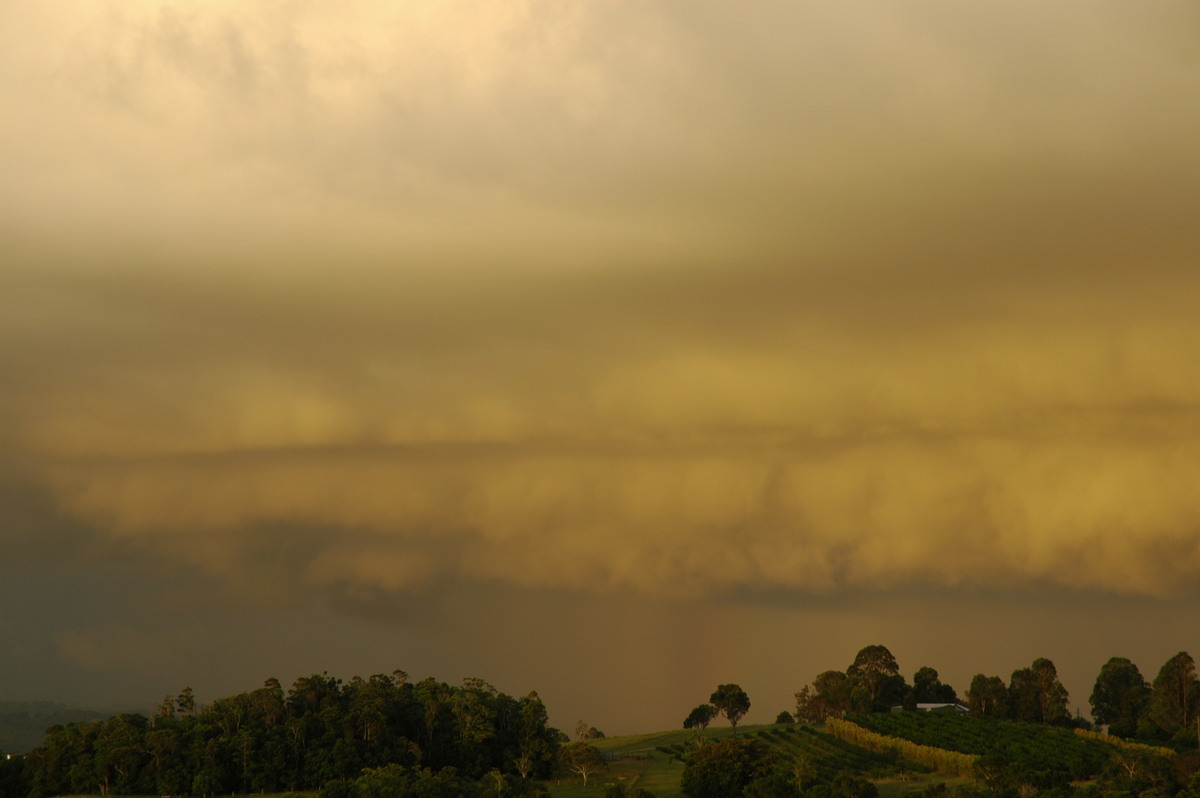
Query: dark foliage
[
  {"x": 723, "y": 769},
  {"x": 13, "y": 783},
  {"x": 320, "y": 732}
]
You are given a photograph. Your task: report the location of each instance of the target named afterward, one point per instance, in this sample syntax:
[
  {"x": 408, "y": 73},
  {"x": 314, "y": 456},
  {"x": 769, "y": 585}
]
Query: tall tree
[
  {"x": 1052, "y": 696},
  {"x": 732, "y": 702},
  {"x": 185, "y": 702},
  {"x": 1175, "y": 695},
  {"x": 829, "y": 695},
  {"x": 1023, "y": 703},
  {"x": 1120, "y": 697},
  {"x": 928, "y": 688},
  {"x": 534, "y": 745},
  {"x": 987, "y": 697},
  {"x": 1036, "y": 695},
  {"x": 875, "y": 673},
  {"x": 121, "y": 753}
]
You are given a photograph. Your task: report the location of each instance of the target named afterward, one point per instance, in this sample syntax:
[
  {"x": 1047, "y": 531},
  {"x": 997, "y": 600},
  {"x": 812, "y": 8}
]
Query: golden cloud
[{"x": 678, "y": 301}]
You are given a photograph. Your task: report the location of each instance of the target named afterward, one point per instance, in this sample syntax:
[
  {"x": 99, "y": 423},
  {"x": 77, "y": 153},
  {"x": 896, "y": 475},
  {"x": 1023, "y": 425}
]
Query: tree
[
  {"x": 1175, "y": 694},
  {"x": 1138, "y": 771},
  {"x": 928, "y": 688},
  {"x": 1120, "y": 697},
  {"x": 876, "y": 677},
  {"x": 534, "y": 744},
  {"x": 120, "y": 753},
  {"x": 829, "y": 695},
  {"x": 848, "y": 785},
  {"x": 807, "y": 706},
  {"x": 732, "y": 702},
  {"x": 1036, "y": 695},
  {"x": 987, "y": 697},
  {"x": 394, "y": 781},
  {"x": 1052, "y": 696},
  {"x": 585, "y": 732},
  {"x": 185, "y": 702},
  {"x": 1022, "y": 696},
  {"x": 700, "y": 717},
  {"x": 723, "y": 769},
  {"x": 473, "y": 716},
  {"x": 582, "y": 758},
  {"x": 784, "y": 718},
  {"x": 871, "y": 663}
]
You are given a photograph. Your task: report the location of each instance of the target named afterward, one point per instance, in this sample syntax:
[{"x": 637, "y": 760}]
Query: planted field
[
  {"x": 654, "y": 761},
  {"x": 825, "y": 752},
  {"x": 1028, "y": 745}
]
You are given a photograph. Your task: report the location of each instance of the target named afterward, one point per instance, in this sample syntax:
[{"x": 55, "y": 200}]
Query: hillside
[
  {"x": 1029, "y": 746},
  {"x": 652, "y": 761}
]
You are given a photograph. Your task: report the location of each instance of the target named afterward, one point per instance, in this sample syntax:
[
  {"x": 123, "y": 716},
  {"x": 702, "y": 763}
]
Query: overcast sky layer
[{"x": 609, "y": 349}]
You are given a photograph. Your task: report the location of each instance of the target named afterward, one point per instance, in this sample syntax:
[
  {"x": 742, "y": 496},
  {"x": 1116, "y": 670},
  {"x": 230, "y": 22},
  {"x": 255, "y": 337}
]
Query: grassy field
[{"x": 638, "y": 760}]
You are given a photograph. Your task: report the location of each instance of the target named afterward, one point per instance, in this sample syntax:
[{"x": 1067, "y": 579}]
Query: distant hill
[{"x": 23, "y": 724}]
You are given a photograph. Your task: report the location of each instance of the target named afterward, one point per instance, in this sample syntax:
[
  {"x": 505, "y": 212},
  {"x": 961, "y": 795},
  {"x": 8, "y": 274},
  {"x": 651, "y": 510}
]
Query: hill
[
  {"x": 1028, "y": 746},
  {"x": 653, "y": 761}
]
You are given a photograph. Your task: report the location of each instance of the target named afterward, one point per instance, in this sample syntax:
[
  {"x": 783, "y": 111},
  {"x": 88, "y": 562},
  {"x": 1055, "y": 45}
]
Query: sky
[{"x": 613, "y": 350}]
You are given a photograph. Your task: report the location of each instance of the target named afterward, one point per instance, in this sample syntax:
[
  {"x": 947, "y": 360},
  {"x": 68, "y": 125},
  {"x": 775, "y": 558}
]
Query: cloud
[
  {"x": 678, "y": 300},
  {"x": 838, "y": 451}
]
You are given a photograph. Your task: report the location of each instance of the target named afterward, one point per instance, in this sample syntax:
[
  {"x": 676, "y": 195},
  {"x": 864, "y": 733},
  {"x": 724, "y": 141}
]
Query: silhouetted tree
[
  {"x": 828, "y": 696},
  {"x": 1120, "y": 697},
  {"x": 928, "y": 688},
  {"x": 732, "y": 702},
  {"x": 1175, "y": 695},
  {"x": 1036, "y": 695},
  {"x": 988, "y": 697},
  {"x": 700, "y": 717},
  {"x": 876, "y": 679}
]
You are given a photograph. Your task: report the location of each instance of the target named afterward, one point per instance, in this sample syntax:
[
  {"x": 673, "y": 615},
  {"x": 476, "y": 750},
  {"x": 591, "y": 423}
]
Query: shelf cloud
[{"x": 673, "y": 301}]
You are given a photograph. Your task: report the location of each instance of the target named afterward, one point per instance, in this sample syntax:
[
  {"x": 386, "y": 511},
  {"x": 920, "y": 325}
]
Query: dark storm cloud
[{"x": 675, "y": 300}]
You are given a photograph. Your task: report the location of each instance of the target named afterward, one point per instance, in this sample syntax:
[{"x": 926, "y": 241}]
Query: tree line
[
  {"x": 1009, "y": 763},
  {"x": 872, "y": 683},
  {"x": 320, "y": 731},
  {"x": 1122, "y": 700}
]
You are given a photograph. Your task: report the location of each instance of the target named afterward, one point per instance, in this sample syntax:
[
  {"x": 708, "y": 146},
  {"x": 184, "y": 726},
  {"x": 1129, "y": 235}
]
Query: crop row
[
  {"x": 1026, "y": 745},
  {"x": 804, "y": 745},
  {"x": 824, "y": 751},
  {"x": 1157, "y": 750},
  {"x": 952, "y": 763}
]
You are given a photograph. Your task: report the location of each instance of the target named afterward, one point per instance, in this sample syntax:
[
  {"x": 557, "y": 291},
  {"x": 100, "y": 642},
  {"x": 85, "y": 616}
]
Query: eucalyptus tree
[
  {"x": 987, "y": 697},
  {"x": 1120, "y": 697},
  {"x": 928, "y": 688},
  {"x": 700, "y": 717},
  {"x": 732, "y": 702},
  {"x": 875, "y": 676},
  {"x": 1175, "y": 695},
  {"x": 1036, "y": 695}
]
